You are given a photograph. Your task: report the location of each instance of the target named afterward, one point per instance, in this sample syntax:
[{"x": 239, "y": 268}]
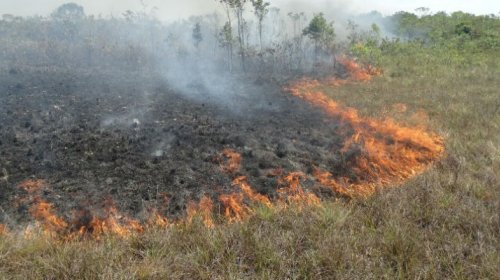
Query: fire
[
  {"x": 234, "y": 207},
  {"x": 250, "y": 193},
  {"x": 31, "y": 186},
  {"x": 204, "y": 209},
  {"x": 325, "y": 179},
  {"x": 83, "y": 223},
  {"x": 292, "y": 192},
  {"x": 231, "y": 161},
  {"x": 3, "y": 229},
  {"x": 113, "y": 223},
  {"x": 357, "y": 72},
  {"x": 240, "y": 205},
  {"x": 157, "y": 220},
  {"x": 237, "y": 205},
  {"x": 43, "y": 213},
  {"x": 387, "y": 153},
  {"x": 390, "y": 152}
]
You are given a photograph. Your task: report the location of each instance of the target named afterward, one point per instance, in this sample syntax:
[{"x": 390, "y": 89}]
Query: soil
[{"x": 130, "y": 137}]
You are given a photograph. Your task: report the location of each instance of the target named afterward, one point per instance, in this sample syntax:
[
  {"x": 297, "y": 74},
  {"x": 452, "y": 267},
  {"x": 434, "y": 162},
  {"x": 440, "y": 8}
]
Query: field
[
  {"x": 89, "y": 154},
  {"x": 441, "y": 224}
]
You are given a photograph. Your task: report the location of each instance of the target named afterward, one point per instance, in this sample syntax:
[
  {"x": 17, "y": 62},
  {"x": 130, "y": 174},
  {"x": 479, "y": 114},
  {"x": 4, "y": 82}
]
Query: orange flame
[
  {"x": 231, "y": 162},
  {"x": 292, "y": 192},
  {"x": 250, "y": 193},
  {"x": 157, "y": 220},
  {"x": 112, "y": 224},
  {"x": 203, "y": 209},
  {"x": 44, "y": 214},
  {"x": 31, "y": 186},
  {"x": 234, "y": 207},
  {"x": 357, "y": 72},
  {"x": 325, "y": 178},
  {"x": 390, "y": 152},
  {"x": 3, "y": 229}
]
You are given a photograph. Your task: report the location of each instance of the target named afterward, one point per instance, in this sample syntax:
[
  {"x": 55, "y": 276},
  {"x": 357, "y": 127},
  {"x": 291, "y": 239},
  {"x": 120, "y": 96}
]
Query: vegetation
[
  {"x": 443, "y": 224},
  {"x": 197, "y": 35},
  {"x": 321, "y": 32},
  {"x": 260, "y": 10}
]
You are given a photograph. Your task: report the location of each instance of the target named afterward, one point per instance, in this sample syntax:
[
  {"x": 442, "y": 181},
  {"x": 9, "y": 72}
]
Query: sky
[{"x": 177, "y": 9}]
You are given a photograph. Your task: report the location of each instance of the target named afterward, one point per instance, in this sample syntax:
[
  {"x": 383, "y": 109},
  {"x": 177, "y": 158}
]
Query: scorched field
[{"x": 339, "y": 158}]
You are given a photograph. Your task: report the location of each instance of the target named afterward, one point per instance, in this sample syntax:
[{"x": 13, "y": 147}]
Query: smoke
[
  {"x": 173, "y": 10},
  {"x": 208, "y": 74},
  {"x": 211, "y": 71},
  {"x": 231, "y": 73}
]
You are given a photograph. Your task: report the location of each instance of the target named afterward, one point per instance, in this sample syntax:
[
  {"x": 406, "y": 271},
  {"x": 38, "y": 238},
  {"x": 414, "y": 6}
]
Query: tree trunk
[{"x": 241, "y": 31}]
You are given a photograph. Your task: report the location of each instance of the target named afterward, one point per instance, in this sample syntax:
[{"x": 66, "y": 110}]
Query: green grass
[{"x": 443, "y": 224}]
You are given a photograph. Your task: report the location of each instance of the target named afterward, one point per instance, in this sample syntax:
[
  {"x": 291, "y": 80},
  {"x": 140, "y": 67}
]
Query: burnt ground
[{"x": 132, "y": 138}]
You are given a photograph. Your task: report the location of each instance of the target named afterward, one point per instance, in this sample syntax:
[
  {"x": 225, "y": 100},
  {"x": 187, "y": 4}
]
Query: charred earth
[{"x": 128, "y": 137}]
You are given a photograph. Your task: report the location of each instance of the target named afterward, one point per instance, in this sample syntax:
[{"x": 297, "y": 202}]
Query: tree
[
  {"x": 354, "y": 36},
  {"x": 406, "y": 24},
  {"x": 67, "y": 21},
  {"x": 260, "y": 10},
  {"x": 197, "y": 36},
  {"x": 423, "y": 11},
  {"x": 321, "y": 32},
  {"x": 238, "y": 7},
  {"x": 225, "y": 38},
  {"x": 375, "y": 33},
  {"x": 297, "y": 21},
  {"x": 69, "y": 12}
]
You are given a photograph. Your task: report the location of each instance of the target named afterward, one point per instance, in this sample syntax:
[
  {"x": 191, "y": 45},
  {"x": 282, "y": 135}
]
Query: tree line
[{"x": 249, "y": 36}]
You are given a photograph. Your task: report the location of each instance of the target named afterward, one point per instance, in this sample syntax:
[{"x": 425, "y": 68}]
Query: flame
[
  {"x": 157, "y": 220},
  {"x": 234, "y": 207},
  {"x": 357, "y": 72},
  {"x": 390, "y": 152},
  {"x": 292, "y": 192},
  {"x": 3, "y": 229},
  {"x": 325, "y": 178},
  {"x": 253, "y": 196},
  {"x": 43, "y": 213},
  {"x": 386, "y": 154},
  {"x": 240, "y": 205},
  {"x": 203, "y": 209},
  {"x": 231, "y": 161},
  {"x": 31, "y": 186},
  {"x": 113, "y": 223}
]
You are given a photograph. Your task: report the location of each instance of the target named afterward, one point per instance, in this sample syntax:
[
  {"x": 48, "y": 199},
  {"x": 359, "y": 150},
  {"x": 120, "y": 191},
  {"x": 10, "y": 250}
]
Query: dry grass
[{"x": 442, "y": 224}]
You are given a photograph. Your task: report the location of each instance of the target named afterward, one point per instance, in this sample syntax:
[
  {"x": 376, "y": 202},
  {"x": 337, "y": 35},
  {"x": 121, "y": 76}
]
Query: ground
[{"x": 94, "y": 137}]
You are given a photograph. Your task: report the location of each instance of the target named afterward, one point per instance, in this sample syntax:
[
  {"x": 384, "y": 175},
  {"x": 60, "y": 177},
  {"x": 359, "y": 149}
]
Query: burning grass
[
  {"x": 441, "y": 225},
  {"x": 389, "y": 153}
]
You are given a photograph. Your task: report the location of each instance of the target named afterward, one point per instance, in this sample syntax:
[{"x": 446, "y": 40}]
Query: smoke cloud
[{"x": 173, "y": 10}]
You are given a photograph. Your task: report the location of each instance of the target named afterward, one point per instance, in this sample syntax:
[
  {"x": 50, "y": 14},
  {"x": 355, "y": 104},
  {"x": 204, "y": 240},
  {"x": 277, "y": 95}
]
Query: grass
[{"x": 443, "y": 224}]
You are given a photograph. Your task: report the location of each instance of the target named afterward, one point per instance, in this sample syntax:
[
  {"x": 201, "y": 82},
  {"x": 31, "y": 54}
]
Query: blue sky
[{"x": 174, "y": 9}]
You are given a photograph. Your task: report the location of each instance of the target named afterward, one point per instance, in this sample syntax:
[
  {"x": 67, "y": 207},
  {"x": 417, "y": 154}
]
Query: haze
[{"x": 172, "y": 9}]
